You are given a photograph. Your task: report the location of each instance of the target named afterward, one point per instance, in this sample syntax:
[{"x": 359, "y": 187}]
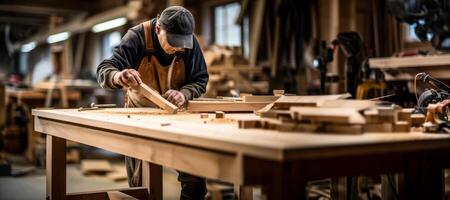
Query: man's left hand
[{"x": 176, "y": 97}]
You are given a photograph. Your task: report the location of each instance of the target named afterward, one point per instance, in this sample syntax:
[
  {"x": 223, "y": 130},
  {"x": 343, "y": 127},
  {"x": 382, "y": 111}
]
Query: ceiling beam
[
  {"x": 38, "y": 10},
  {"x": 22, "y": 20}
]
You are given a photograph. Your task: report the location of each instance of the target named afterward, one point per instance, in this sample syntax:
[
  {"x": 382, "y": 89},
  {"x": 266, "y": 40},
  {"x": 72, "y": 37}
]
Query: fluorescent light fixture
[
  {"x": 58, "y": 37},
  {"x": 109, "y": 24},
  {"x": 28, "y": 47}
]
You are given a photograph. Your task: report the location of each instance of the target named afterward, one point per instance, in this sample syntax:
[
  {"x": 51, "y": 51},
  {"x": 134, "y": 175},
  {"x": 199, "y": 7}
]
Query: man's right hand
[{"x": 127, "y": 78}]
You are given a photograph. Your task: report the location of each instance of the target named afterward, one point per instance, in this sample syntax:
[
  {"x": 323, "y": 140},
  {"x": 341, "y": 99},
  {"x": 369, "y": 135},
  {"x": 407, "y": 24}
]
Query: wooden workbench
[
  {"x": 281, "y": 163},
  {"x": 31, "y": 98}
]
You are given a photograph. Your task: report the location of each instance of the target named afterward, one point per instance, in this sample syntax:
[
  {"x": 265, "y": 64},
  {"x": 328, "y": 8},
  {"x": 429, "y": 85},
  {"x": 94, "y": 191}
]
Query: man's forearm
[{"x": 105, "y": 75}]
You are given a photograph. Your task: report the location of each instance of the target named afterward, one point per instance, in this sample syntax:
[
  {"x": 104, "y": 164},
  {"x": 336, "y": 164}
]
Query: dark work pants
[{"x": 192, "y": 187}]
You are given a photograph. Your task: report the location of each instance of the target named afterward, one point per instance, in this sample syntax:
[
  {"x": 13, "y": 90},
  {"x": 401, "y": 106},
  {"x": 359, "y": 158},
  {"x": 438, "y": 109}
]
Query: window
[
  {"x": 226, "y": 31},
  {"x": 411, "y": 33},
  {"x": 110, "y": 41}
]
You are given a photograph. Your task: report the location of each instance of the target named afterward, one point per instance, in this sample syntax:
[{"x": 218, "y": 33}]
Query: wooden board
[
  {"x": 410, "y": 62},
  {"x": 288, "y": 101},
  {"x": 347, "y": 103},
  {"x": 156, "y": 98},
  {"x": 260, "y": 98},
  {"x": 95, "y": 166},
  {"x": 336, "y": 115},
  {"x": 213, "y": 106}
]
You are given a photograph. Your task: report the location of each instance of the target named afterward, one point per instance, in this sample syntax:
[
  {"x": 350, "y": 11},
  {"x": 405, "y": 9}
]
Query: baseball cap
[{"x": 179, "y": 24}]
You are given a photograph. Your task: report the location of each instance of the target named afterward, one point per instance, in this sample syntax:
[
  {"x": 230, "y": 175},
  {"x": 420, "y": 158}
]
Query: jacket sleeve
[
  {"x": 126, "y": 55},
  {"x": 198, "y": 75}
]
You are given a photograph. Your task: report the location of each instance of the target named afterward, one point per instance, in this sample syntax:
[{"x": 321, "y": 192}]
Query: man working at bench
[{"x": 164, "y": 54}]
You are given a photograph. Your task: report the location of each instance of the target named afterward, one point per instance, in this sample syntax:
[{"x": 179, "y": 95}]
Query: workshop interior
[{"x": 225, "y": 99}]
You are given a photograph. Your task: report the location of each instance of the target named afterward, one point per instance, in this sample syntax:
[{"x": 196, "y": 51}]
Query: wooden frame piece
[
  {"x": 156, "y": 98},
  {"x": 225, "y": 106}
]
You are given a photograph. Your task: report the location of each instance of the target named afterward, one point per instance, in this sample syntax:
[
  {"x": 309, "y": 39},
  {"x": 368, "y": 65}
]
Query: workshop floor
[{"x": 32, "y": 186}]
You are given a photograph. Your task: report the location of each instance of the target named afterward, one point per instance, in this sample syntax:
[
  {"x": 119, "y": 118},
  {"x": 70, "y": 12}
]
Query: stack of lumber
[
  {"x": 230, "y": 73},
  {"x": 331, "y": 114}
]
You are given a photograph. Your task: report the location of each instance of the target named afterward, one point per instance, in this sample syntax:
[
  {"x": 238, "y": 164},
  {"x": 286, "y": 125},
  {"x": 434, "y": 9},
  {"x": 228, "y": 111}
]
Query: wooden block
[
  {"x": 243, "y": 95},
  {"x": 95, "y": 166},
  {"x": 346, "y": 129},
  {"x": 401, "y": 126},
  {"x": 271, "y": 124},
  {"x": 278, "y": 93},
  {"x": 306, "y": 127},
  {"x": 405, "y": 115},
  {"x": 417, "y": 119},
  {"x": 378, "y": 127},
  {"x": 264, "y": 109},
  {"x": 204, "y": 115},
  {"x": 276, "y": 114},
  {"x": 220, "y": 114},
  {"x": 226, "y": 106},
  {"x": 156, "y": 98},
  {"x": 260, "y": 98},
  {"x": 372, "y": 116},
  {"x": 245, "y": 124},
  {"x": 287, "y": 126}
]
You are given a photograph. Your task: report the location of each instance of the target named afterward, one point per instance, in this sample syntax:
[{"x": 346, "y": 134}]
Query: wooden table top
[{"x": 225, "y": 136}]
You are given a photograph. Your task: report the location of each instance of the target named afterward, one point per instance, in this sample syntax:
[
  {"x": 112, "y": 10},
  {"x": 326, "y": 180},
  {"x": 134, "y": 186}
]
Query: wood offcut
[{"x": 156, "y": 98}]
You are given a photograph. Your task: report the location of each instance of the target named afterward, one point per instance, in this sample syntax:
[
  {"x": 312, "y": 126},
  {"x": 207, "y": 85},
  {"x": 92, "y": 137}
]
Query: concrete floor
[{"x": 32, "y": 186}]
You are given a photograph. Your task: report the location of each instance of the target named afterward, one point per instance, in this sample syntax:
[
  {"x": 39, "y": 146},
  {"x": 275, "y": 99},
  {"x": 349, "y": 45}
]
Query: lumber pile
[
  {"x": 332, "y": 114},
  {"x": 230, "y": 73}
]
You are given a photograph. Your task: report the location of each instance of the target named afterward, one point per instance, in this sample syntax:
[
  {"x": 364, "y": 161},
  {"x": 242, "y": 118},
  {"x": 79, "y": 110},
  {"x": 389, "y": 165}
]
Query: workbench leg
[
  {"x": 243, "y": 192},
  {"x": 423, "y": 180},
  {"x": 56, "y": 168},
  {"x": 152, "y": 180}
]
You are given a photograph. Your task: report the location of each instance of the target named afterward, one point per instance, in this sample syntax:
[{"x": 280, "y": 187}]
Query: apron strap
[{"x": 148, "y": 36}]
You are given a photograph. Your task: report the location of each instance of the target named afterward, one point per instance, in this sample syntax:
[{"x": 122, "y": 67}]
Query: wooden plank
[
  {"x": 156, "y": 98},
  {"x": 256, "y": 23},
  {"x": 95, "y": 166},
  {"x": 336, "y": 115},
  {"x": 285, "y": 102},
  {"x": 213, "y": 106},
  {"x": 56, "y": 168},
  {"x": 260, "y": 98},
  {"x": 348, "y": 103},
  {"x": 410, "y": 62}
]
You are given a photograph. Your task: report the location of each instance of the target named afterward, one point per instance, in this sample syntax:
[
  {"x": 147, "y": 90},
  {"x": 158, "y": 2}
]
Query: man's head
[{"x": 175, "y": 27}]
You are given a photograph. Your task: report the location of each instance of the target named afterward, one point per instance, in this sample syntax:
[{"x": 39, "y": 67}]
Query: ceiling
[{"x": 26, "y": 17}]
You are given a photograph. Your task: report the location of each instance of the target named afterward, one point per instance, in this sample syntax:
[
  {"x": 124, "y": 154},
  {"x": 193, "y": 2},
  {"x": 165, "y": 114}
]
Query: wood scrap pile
[
  {"x": 331, "y": 114},
  {"x": 230, "y": 73}
]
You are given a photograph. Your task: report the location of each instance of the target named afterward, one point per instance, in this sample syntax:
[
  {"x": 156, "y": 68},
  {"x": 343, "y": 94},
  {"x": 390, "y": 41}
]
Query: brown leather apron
[{"x": 159, "y": 77}]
